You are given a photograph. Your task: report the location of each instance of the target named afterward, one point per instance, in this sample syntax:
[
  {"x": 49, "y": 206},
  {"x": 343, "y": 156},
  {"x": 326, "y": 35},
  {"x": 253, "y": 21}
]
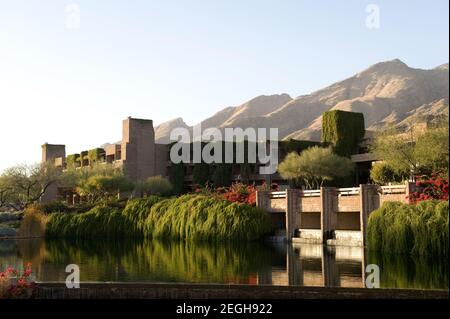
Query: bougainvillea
[
  {"x": 237, "y": 192},
  {"x": 435, "y": 187},
  {"x": 15, "y": 284}
]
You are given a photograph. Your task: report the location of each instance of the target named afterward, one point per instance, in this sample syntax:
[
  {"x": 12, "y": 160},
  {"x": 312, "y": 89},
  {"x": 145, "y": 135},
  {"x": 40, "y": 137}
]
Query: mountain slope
[
  {"x": 260, "y": 105},
  {"x": 162, "y": 131},
  {"x": 387, "y": 92}
]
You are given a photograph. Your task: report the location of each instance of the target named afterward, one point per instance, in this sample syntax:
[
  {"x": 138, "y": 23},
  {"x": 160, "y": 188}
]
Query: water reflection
[{"x": 247, "y": 263}]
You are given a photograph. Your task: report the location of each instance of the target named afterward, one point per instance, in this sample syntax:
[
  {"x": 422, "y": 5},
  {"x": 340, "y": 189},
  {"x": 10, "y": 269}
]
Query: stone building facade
[{"x": 140, "y": 157}]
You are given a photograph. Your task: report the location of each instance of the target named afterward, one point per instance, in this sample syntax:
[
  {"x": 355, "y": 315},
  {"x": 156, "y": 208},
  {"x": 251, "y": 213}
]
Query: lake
[{"x": 244, "y": 263}]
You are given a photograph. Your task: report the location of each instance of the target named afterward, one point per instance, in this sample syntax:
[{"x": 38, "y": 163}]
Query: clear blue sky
[{"x": 167, "y": 59}]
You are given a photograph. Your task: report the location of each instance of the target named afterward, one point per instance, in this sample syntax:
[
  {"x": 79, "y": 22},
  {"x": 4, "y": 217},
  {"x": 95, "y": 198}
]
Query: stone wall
[
  {"x": 329, "y": 209},
  {"x": 205, "y": 291}
]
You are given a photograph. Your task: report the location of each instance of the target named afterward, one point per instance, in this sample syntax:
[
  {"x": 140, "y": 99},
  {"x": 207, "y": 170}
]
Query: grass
[
  {"x": 420, "y": 229},
  {"x": 196, "y": 217}
]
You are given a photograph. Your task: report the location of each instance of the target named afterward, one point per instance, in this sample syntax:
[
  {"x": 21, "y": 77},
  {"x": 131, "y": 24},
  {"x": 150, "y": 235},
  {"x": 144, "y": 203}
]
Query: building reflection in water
[
  {"x": 230, "y": 263},
  {"x": 317, "y": 265}
]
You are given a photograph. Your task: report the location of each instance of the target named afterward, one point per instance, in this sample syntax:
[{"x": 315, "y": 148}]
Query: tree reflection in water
[{"x": 199, "y": 262}]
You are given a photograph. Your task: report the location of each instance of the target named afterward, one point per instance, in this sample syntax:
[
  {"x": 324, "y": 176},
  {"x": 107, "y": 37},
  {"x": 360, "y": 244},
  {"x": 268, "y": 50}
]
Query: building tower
[
  {"x": 55, "y": 155},
  {"x": 138, "y": 149}
]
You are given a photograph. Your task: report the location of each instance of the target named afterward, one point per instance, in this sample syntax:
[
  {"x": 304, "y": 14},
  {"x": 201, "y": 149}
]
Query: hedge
[{"x": 343, "y": 130}]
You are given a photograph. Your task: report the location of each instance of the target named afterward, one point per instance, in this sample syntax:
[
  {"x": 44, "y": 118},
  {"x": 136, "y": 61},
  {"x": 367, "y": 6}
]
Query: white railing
[
  {"x": 348, "y": 191},
  {"x": 278, "y": 194},
  {"x": 311, "y": 193},
  {"x": 393, "y": 189}
]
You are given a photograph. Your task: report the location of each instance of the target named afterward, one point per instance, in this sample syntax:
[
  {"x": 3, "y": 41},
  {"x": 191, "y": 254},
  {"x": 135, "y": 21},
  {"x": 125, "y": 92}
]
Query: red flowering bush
[
  {"x": 430, "y": 188},
  {"x": 14, "y": 284},
  {"x": 242, "y": 193},
  {"x": 237, "y": 192}
]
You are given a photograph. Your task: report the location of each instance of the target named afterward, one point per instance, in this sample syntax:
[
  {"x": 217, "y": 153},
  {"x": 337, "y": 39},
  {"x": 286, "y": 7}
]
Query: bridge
[{"x": 335, "y": 216}]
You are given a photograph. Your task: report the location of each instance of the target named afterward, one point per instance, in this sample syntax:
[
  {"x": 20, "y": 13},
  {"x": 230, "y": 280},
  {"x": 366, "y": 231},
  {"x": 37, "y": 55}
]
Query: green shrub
[
  {"x": 343, "y": 130},
  {"x": 315, "y": 166},
  {"x": 200, "y": 174},
  {"x": 222, "y": 176},
  {"x": 71, "y": 160},
  {"x": 420, "y": 229},
  {"x": 382, "y": 174},
  {"x": 186, "y": 217},
  {"x": 136, "y": 212},
  {"x": 291, "y": 145},
  {"x": 99, "y": 222},
  {"x": 157, "y": 185},
  {"x": 96, "y": 154},
  {"x": 177, "y": 178},
  {"x": 101, "y": 187},
  {"x": 202, "y": 217},
  {"x": 33, "y": 223},
  {"x": 53, "y": 207}
]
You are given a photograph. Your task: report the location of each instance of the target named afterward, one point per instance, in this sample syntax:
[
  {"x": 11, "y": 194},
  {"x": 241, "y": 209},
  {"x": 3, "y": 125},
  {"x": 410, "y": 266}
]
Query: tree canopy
[
  {"x": 413, "y": 151},
  {"x": 315, "y": 166},
  {"x": 22, "y": 185}
]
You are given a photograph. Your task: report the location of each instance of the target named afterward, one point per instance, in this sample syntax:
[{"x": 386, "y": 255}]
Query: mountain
[
  {"x": 162, "y": 131},
  {"x": 388, "y": 92}
]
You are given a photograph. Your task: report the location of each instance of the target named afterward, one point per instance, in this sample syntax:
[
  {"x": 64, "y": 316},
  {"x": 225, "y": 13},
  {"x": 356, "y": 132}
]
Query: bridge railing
[
  {"x": 303, "y": 193},
  {"x": 281, "y": 194},
  {"x": 393, "y": 189},
  {"x": 311, "y": 193},
  {"x": 349, "y": 191}
]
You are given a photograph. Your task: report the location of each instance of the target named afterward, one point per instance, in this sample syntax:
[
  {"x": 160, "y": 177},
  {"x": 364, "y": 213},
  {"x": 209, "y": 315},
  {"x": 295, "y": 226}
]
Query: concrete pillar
[
  {"x": 329, "y": 268},
  {"x": 138, "y": 148},
  {"x": 367, "y": 196},
  {"x": 262, "y": 200},
  {"x": 410, "y": 187},
  {"x": 328, "y": 215},
  {"x": 50, "y": 152},
  {"x": 265, "y": 278},
  {"x": 292, "y": 209},
  {"x": 291, "y": 265}
]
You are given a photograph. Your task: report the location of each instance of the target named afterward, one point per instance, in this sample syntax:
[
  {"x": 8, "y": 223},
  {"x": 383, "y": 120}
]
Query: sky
[{"x": 71, "y": 71}]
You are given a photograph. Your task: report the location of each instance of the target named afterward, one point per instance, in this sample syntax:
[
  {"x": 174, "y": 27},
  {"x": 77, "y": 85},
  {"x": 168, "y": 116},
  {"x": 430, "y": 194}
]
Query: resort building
[{"x": 140, "y": 157}]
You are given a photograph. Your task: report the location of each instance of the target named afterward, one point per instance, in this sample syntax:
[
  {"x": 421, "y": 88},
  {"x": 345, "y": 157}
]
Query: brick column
[
  {"x": 409, "y": 188},
  {"x": 292, "y": 209},
  {"x": 367, "y": 196},
  {"x": 328, "y": 215},
  {"x": 262, "y": 199}
]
